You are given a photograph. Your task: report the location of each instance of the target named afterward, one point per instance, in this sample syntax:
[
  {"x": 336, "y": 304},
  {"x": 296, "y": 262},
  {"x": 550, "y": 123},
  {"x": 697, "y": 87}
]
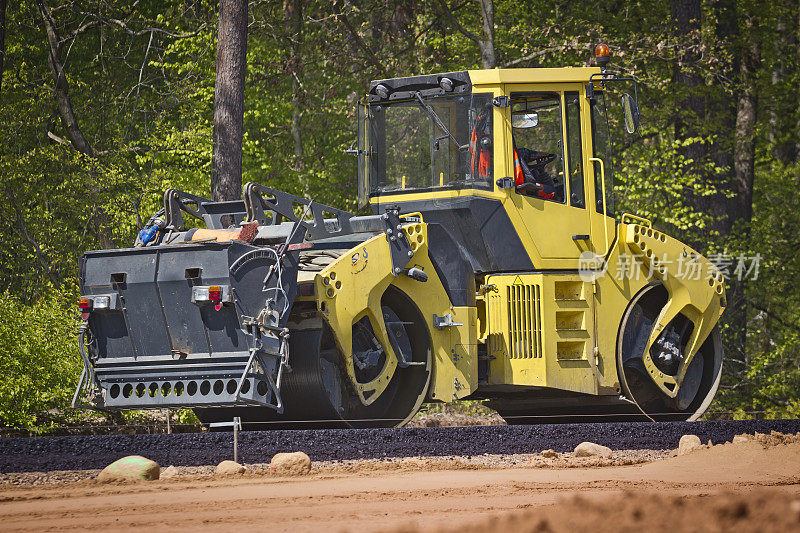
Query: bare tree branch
[
  {"x": 574, "y": 45},
  {"x": 23, "y": 231},
  {"x": 363, "y": 46},
  {"x": 61, "y": 87},
  {"x": 456, "y": 24}
]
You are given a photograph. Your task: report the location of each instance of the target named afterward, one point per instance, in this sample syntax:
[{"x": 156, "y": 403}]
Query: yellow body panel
[
  {"x": 351, "y": 288},
  {"x": 559, "y": 329}
]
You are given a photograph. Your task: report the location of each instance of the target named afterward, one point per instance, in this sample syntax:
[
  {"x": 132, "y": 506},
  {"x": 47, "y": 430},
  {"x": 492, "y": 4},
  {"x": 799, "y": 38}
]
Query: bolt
[
  {"x": 397, "y": 270},
  {"x": 389, "y": 231},
  {"x": 391, "y": 238},
  {"x": 399, "y": 227},
  {"x": 410, "y": 253}
]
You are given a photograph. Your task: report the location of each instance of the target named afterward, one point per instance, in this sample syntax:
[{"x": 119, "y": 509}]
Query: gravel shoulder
[{"x": 444, "y": 493}]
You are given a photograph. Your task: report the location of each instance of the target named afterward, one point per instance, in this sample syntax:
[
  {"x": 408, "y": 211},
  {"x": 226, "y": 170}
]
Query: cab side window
[
  {"x": 538, "y": 145},
  {"x": 602, "y": 150},
  {"x": 572, "y": 107}
]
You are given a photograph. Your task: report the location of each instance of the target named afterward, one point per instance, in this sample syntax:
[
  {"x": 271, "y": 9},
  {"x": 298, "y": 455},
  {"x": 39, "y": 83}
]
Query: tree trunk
[
  {"x": 746, "y": 115},
  {"x": 226, "y": 162},
  {"x": 686, "y": 20},
  {"x": 486, "y": 45},
  {"x": 691, "y": 111},
  {"x": 2, "y": 41},
  {"x": 797, "y": 53},
  {"x": 293, "y": 14},
  {"x": 781, "y": 110}
]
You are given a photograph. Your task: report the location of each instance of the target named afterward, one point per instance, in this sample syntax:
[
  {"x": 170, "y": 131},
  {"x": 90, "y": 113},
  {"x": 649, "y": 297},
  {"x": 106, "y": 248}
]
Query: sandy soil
[{"x": 748, "y": 486}]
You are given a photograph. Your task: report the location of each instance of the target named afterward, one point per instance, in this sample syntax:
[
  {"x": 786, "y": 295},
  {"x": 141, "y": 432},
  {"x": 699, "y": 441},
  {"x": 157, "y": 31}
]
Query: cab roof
[{"x": 532, "y": 75}]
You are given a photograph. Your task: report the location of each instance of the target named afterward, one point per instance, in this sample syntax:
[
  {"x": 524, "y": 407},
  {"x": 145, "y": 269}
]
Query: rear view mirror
[
  {"x": 525, "y": 120},
  {"x": 631, "y": 113}
]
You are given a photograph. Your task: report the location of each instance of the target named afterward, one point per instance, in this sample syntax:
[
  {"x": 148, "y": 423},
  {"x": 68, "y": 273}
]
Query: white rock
[
  {"x": 688, "y": 444},
  {"x": 590, "y": 449},
  {"x": 169, "y": 472},
  {"x": 228, "y": 468},
  {"x": 741, "y": 438},
  {"x": 290, "y": 464},
  {"x": 549, "y": 454}
]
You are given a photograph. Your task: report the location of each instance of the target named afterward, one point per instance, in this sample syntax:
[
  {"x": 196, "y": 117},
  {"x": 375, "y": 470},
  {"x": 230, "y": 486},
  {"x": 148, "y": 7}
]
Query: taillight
[
  {"x": 85, "y": 307},
  {"x": 215, "y": 293},
  {"x": 215, "y": 296}
]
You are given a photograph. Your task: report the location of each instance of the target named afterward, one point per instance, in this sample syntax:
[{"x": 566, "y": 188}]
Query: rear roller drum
[{"x": 318, "y": 393}]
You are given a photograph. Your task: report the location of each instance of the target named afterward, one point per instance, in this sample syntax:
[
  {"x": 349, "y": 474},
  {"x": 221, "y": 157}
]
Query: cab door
[
  {"x": 601, "y": 173},
  {"x": 545, "y": 127}
]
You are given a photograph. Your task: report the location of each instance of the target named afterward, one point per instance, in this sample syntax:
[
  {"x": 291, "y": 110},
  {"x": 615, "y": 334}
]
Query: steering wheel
[{"x": 540, "y": 159}]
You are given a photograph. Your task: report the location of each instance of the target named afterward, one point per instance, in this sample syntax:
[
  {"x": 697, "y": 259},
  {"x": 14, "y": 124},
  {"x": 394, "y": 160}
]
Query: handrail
[{"x": 603, "y": 191}]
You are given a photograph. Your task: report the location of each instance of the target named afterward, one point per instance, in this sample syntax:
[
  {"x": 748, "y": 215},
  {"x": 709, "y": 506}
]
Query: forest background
[{"x": 104, "y": 104}]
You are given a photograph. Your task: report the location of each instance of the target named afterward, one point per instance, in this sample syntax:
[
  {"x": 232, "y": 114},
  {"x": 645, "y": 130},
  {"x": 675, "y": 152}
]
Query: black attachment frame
[{"x": 607, "y": 76}]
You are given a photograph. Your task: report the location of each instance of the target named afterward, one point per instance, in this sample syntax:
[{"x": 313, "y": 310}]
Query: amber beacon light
[{"x": 602, "y": 54}]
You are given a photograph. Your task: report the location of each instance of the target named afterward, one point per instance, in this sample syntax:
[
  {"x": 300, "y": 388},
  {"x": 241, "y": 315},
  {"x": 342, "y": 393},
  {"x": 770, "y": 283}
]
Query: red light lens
[
  {"x": 602, "y": 50},
  {"x": 215, "y": 293},
  {"x": 84, "y": 304}
]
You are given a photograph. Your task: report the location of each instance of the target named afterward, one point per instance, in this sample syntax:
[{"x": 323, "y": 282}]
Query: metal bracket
[
  {"x": 399, "y": 247},
  {"x": 402, "y": 362},
  {"x": 501, "y": 101},
  {"x": 253, "y": 330},
  {"x": 444, "y": 321},
  {"x": 505, "y": 183}
]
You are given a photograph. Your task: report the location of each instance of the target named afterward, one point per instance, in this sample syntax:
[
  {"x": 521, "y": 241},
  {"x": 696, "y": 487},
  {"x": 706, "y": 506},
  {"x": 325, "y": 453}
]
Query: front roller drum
[
  {"x": 703, "y": 374},
  {"x": 317, "y": 393}
]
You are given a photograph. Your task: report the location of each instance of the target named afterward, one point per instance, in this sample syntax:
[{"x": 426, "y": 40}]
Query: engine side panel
[{"x": 480, "y": 226}]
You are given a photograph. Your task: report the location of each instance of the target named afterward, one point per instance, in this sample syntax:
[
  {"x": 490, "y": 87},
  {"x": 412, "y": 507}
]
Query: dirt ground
[{"x": 747, "y": 486}]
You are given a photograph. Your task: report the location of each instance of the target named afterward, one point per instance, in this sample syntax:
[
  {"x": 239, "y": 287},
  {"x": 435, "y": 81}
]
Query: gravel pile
[{"x": 349, "y": 466}]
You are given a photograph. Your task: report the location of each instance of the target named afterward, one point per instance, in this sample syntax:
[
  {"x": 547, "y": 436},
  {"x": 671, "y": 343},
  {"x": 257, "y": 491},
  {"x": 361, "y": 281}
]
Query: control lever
[{"x": 416, "y": 273}]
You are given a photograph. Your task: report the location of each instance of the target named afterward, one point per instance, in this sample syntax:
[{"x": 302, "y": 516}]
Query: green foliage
[
  {"x": 143, "y": 92},
  {"x": 39, "y": 362}
]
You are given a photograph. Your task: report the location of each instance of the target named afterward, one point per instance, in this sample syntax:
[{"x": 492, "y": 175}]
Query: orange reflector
[{"x": 85, "y": 303}]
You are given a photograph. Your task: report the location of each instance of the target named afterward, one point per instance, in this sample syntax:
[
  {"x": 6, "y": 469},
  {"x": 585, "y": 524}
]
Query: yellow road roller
[{"x": 492, "y": 265}]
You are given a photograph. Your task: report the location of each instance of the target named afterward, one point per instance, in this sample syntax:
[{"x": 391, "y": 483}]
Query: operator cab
[{"x": 514, "y": 164}]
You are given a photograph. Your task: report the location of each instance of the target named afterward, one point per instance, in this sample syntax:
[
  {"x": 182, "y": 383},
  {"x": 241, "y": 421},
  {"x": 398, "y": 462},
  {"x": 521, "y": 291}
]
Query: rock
[
  {"x": 689, "y": 443},
  {"x": 590, "y": 449},
  {"x": 550, "y": 454},
  {"x": 794, "y": 507},
  {"x": 290, "y": 464},
  {"x": 169, "y": 472},
  {"x": 226, "y": 468},
  {"x": 130, "y": 467},
  {"x": 741, "y": 438}
]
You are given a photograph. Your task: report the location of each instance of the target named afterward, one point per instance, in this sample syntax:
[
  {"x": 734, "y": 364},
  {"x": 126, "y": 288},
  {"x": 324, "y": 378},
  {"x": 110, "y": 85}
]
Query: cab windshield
[{"x": 444, "y": 142}]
